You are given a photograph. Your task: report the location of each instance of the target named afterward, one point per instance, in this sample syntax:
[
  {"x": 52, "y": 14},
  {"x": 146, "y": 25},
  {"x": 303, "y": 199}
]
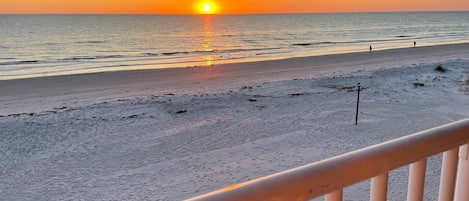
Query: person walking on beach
[
  {"x": 415, "y": 43},
  {"x": 371, "y": 48}
]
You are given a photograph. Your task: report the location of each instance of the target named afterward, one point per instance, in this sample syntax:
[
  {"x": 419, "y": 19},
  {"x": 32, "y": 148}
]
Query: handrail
[{"x": 319, "y": 178}]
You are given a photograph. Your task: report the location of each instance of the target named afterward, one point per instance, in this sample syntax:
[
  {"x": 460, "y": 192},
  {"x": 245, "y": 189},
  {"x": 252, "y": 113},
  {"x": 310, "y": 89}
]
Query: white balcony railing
[{"x": 330, "y": 176}]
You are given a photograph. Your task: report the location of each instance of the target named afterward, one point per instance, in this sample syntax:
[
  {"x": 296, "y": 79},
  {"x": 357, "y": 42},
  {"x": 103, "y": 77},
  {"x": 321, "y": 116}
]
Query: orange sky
[{"x": 226, "y": 6}]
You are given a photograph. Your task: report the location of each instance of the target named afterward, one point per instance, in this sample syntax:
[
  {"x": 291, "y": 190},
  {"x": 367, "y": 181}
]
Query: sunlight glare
[{"x": 207, "y": 7}]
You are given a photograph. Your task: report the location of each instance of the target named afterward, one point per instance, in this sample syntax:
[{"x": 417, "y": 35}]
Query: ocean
[{"x": 48, "y": 45}]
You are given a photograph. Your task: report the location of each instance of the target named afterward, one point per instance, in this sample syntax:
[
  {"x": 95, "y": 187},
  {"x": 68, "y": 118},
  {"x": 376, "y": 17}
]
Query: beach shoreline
[
  {"x": 124, "y": 42},
  {"x": 177, "y": 133},
  {"x": 321, "y": 57},
  {"x": 22, "y": 95}
]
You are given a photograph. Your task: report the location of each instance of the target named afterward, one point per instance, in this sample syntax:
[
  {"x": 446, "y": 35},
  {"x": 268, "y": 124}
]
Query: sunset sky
[{"x": 226, "y": 6}]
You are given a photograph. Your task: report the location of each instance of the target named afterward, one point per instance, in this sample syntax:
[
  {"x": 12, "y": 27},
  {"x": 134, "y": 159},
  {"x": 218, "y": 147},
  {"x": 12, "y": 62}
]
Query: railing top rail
[{"x": 319, "y": 178}]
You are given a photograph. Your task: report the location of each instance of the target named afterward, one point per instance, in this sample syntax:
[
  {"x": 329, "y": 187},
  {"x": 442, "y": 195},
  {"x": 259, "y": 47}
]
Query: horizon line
[{"x": 336, "y": 12}]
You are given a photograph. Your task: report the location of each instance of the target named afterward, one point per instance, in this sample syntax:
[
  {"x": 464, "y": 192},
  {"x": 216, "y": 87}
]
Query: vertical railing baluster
[
  {"x": 449, "y": 167},
  {"x": 335, "y": 196},
  {"x": 379, "y": 187},
  {"x": 462, "y": 180},
  {"x": 416, "y": 180}
]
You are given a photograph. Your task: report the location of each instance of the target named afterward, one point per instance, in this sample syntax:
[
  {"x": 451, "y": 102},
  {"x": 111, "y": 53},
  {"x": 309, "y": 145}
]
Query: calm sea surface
[{"x": 45, "y": 45}]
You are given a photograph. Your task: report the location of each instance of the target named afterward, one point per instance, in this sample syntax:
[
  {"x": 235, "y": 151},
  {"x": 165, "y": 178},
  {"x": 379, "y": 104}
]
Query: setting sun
[{"x": 207, "y": 8}]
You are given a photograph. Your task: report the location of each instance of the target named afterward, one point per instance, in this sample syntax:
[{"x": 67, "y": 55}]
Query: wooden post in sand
[{"x": 358, "y": 102}]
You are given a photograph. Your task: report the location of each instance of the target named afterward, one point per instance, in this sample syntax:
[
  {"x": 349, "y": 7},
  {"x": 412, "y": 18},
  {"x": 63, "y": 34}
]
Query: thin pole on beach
[{"x": 358, "y": 102}]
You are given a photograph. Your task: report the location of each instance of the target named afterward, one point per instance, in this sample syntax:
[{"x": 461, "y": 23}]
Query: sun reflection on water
[{"x": 207, "y": 43}]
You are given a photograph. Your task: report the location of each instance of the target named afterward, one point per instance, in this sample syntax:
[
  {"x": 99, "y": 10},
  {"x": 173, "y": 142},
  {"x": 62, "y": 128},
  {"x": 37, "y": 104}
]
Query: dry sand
[
  {"x": 176, "y": 133},
  {"x": 39, "y": 94}
]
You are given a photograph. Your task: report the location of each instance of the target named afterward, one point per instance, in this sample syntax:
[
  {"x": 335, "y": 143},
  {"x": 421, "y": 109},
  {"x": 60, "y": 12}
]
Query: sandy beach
[
  {"x": 171, "y": 134},
  {"x": 39, "y": 94}
]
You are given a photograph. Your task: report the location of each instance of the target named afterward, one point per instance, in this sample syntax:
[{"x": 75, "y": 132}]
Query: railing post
[
  {"x": 449, "y": 168},
  {"x": 335, "y": 196},
  {"x": 333, "y": 174},
  {"x": 462, "y": 180},
  {"x": 379, "y": 187},
  {"x": 416, "y": 180}
]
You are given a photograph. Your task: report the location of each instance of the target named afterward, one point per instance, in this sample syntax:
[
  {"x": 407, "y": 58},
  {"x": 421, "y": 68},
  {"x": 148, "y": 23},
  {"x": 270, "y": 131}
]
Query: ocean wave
[
  {"x": 375, "y": 40},
  {"x": 77, "y": 58},
  {"x": 134, "y": 57},
  {"x": 91, "y": 42},
  {"x": 311, "y": 44},
  {"x": 396, "y": 38},
  {"x": 250, "y": 41},
  {"x": 271, "y": 53},
  {"x": 212, "y": 51},
  {"x": 52, "y": 44},
  {"x": 244, "y": 50},
  {"x": 19, "y": 62},
  {"x": 115, "y": 51},
  {"x": 174, "y": 53},
  {"x": 456, "y": 34},
  {"x": 150, "y": 54}
]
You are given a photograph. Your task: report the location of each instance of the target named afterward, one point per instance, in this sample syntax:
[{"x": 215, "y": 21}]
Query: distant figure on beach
[
  {"x": 415, "y": 43},
  {"x": 371, "y": 48}
]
